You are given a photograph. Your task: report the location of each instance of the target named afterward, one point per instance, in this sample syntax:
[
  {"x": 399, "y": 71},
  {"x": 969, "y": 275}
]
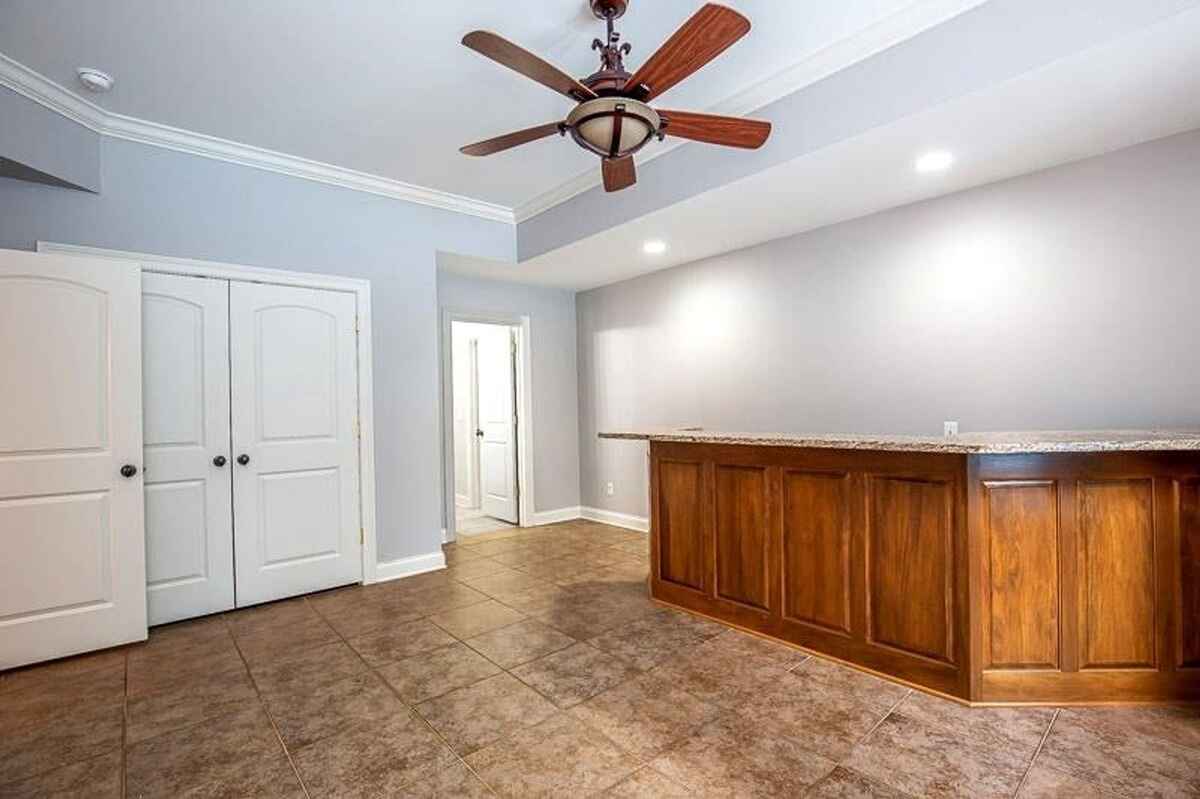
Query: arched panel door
[
  {"x": 72, "y": 572},
  {"x": 295, "y": 472}
]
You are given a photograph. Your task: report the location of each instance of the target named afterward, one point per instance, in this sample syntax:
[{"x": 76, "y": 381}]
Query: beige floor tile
[
  {"x": 1046, "y": 783},
  {"x": 646, "y": 783},
  {"x": 472, "y": 620},
  {"x": 645, "y": 716},
  {"x": 439, "y": 672},
  {"x": 453, "y": 781},
  {"x": 445, "y": 597},
  {"x": 1099, "y": 746},
  {"x": 505, "y": 584},
  {"x": 310, "y": 714},
  {"x": 558, "y": 757},
  {"x": 284, "y": 639},
  {"x": 842, "y": 783},
  {"x": 1020, "y": 728},
  {"x": 927, "y": 760},
  {"x": 187, "y": 703},
  {"x": 473, "y": 717},
  {"x": 479, "y": 567},
  {"x": 200, "y": 755},
  {"x": 99, "y": 777},
  {"x": 308, "y": 669},
  {"x": 401, "y": 641},
  {"x": 367, "y": 612},
  {"x": 651, "y": 640},
  {"x": 45, "y": 675},
  {"x": 575, "y": 674},
  {"x": 372, "y": 760},
  {"x": 520, "y": 643},
  {"x": 735, "y": 757}
]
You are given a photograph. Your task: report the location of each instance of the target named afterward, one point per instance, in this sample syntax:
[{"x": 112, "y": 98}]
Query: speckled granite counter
[{"x": 967, "y": 443}]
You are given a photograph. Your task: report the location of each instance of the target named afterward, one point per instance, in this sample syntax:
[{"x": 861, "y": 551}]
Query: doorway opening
[{"x": 486, "y": 398}]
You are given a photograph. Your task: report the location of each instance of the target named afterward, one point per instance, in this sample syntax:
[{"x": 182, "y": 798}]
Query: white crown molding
[
  {"x": 42, "y": 90},
  {"x": 887, "y": 33}
]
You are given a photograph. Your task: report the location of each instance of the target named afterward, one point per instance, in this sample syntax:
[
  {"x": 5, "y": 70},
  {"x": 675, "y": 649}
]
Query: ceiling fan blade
[
  {"x": 619, "y": 173},
  {"x": 502, "y": 51},
  {"x": 727, "y": 131},
  {"x": 510, "y": 140},
  {"x": 701, "y": 39}
]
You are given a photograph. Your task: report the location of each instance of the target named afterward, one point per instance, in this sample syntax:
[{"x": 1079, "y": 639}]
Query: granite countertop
[{"x": 966, "y": 443}]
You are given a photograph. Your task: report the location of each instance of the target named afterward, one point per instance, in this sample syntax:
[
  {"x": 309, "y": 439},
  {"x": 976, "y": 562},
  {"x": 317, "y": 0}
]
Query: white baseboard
[
  {"x": 628, "y": 521},
  {"x": 407, "y": 567},
  {"x": 554, "y": 516}
]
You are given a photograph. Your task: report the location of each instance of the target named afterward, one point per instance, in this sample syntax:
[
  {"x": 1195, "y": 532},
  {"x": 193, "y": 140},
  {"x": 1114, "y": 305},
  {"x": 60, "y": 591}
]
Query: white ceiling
[
  {"x": 1141, "y": 87},
  {"x": 384, "y": 87}
]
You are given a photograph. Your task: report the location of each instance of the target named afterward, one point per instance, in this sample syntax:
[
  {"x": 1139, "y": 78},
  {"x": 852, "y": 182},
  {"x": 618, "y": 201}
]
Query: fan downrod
[{"x": 609, "y": 9}]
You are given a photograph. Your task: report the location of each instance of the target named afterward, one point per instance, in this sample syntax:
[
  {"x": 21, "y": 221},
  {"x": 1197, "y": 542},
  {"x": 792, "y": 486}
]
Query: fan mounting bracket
[{"x": 609, "y": 9}]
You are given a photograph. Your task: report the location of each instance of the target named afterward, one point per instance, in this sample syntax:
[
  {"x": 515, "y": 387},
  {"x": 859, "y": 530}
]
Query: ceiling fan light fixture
[{"x": 613, "y": 127}]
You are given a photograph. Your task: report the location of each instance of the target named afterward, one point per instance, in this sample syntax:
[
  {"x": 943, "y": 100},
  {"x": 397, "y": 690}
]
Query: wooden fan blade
[
  {"x": 701, "y": 39},
  {"x": 509, "y": 140},
  {"x": 619, "y": 173},
  {"x": 502, "y": 51},
  {"x": 727, "y": 131}
]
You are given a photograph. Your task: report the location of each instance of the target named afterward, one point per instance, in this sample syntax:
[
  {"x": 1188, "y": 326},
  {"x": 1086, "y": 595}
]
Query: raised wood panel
[
  {"x": 816, "y": 548},
  {"x": 743, "y": 540},
  {"x": 910, "y": 584},
  {"x": 1020, "y": 619},
  {"x": 1189, "y": 575},
  {"x": 1117, "y": 613},
  {"x": 680, "y": 529}
]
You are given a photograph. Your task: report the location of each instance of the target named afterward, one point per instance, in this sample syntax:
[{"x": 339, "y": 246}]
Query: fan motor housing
[
  {"x": 613, "y": 127},
  {"x": 609, "y": 9}
]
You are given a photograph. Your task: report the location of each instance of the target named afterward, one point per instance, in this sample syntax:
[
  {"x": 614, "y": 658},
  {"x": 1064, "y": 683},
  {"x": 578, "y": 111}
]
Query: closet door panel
[
  {"x": 295, "y": 399},
  {"x": 185, "y": 389}
]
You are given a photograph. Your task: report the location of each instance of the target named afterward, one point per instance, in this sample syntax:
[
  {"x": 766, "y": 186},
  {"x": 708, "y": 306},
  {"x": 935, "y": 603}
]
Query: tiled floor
[
  {"x": 470, "y": 523},
  {"x": 535, "y": 666}
]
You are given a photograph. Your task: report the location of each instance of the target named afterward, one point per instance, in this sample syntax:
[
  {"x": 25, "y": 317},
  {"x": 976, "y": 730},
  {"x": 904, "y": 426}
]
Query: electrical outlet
[
  {"x": 950, "y": 429},
  {"x": 609, "y": 489}
]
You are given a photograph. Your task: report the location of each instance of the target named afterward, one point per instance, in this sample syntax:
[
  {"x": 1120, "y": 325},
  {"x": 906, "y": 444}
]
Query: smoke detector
[{"x": 95, "y": 80}]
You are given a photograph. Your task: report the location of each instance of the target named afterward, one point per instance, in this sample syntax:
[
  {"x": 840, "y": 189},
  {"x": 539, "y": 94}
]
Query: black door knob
[
  {"x": 243, "y": 459},
  {"x": 219, "y": 461},
  {"x": 128, "y": 470}
]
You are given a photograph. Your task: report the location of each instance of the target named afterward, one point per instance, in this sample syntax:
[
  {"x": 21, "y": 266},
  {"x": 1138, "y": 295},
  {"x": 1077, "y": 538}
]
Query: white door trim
[
  {"x": 525, "y": 486},
  {"x": 257, "y": 274}
]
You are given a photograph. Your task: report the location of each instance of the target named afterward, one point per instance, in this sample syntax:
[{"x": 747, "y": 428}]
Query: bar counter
[{"x": 998, "y": 568}]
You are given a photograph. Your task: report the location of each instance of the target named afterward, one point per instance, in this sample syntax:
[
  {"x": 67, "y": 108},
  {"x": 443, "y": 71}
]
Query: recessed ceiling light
[
  {"x": 95, "y": 80},
  {"x": 936, "y": 161},
  {"x": 654, "y": 247}
]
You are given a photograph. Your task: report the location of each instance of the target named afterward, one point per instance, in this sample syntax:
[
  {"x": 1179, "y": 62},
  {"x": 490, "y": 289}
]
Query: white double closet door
[{"x": 251, "y": 452}]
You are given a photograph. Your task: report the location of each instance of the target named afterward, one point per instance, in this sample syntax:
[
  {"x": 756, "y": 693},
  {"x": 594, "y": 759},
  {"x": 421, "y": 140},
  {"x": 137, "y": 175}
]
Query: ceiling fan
[{"x": 612, "y": 118}]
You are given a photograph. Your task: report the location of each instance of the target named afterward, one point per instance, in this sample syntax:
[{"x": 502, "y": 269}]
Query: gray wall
[
  {"x": 163, "y": 202},
  {"x": 51, "y": 148},
  {"x": 1066, "y": 299},
  {"x": 554, "y": 372}
]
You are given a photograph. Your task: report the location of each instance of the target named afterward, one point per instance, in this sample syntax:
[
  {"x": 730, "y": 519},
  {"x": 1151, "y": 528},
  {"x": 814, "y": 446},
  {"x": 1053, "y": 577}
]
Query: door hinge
[
  {"x": 357, "y": 429},
  {"x": 356, "y": 327},
  {"x": 362, "y": 536}
]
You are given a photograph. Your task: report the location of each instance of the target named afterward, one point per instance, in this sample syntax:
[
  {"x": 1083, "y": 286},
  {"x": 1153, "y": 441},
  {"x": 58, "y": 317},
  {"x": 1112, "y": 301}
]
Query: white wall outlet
[
  {"x": 950, "y": 429},
  {"x": 609, "y": 489}
]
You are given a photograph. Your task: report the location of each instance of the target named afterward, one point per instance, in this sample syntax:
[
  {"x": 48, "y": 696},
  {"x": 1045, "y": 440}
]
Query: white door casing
[
  {"x": 189, "y": 506},
  {"x": 72, "y": 574},
  {"x": 294, "y": 387},
  {"x": 497, "y": 422}
]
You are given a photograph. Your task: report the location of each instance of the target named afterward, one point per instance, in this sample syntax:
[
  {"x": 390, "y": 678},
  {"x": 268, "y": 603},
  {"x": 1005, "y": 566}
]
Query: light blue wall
[
  {"x": 994, "y": 42},
  {"x": 48, "y": 143},
  {"x": 555, "y": 396},
  {"x": 163, "y": 202}
]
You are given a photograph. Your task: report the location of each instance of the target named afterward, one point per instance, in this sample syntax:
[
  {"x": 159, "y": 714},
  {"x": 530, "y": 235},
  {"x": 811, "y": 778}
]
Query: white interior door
[
  {"x": 295, "y": 472},
  {"x": 189, "y": 507},
  {"x": 72, "y": 568},
  {"x": 497, "y": 424}
]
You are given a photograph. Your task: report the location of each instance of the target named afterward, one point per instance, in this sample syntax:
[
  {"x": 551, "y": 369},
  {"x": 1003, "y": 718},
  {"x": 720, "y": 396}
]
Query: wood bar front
[{"x": 1011, "y": 578}]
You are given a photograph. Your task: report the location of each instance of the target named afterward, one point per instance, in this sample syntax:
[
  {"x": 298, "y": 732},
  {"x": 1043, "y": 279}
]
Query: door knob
[
  {"x": 128, "y": 470},
  {"x": 479, "y": 433},
  {"x": 243, "y": 459},
  {"x": 219, "y": 461}
]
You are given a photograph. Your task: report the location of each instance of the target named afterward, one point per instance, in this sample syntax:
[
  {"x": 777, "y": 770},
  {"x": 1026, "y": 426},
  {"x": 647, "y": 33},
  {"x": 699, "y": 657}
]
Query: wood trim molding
[{"x": 366, "y": 381}]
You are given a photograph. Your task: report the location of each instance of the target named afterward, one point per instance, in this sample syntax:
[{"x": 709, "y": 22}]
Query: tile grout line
[
  {"x": 410, "y": 708},
  {"x": 266, "y": 708},
  {"x": 876, "y": 725},
  {"x": 1036, "y": 753}
]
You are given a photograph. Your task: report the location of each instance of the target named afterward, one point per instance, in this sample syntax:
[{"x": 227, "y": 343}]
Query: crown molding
[
  {"x": 51, "y": 95},
  {"x": 870, "y": 41}
]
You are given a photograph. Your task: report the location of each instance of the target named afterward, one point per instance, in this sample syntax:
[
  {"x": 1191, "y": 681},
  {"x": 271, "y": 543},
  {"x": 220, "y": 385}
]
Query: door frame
[
  {"x": 361, "y": 289},
  {"x": 525, "y": 487}
]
